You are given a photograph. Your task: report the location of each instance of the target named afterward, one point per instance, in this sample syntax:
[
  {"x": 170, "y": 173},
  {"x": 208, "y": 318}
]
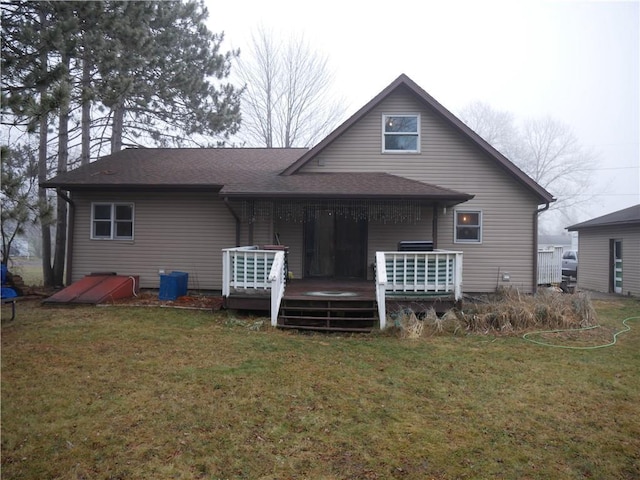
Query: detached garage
[{"x": 610, "y": 252}]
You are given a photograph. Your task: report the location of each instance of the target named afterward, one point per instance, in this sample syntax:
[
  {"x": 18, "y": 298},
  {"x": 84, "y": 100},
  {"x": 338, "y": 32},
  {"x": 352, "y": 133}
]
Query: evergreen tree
[
  {"x": 19, "y": 201},
  {"x": 157, "y": 75},
  {"x": 117, "y": 73}
]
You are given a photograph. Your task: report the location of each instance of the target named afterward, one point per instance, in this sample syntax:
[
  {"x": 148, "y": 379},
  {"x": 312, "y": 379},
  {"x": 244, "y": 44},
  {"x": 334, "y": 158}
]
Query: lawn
[{"x": 156, "y": 393}]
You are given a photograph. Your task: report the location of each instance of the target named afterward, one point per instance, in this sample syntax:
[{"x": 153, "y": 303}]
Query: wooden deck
[
  {"x": 309, "y": 288},
  {"x": 329, "y": 305},
  {"x": 317, "y": 304},
  {"x": 333, "y": 305}
]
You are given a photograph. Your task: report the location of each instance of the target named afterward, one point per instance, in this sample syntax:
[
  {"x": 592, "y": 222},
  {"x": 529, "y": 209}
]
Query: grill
[{"x": 415, "y": 246}]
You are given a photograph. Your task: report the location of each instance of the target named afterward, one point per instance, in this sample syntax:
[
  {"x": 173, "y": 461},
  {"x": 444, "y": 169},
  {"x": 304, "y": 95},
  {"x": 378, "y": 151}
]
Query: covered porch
[
  {"x": 337, "y": 263},
  {"x": 256, "y": 278}
]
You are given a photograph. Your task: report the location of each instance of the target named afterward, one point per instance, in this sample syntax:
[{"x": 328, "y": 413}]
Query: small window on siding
[
  {"x": 112, "y": 221},
  {"x": 401, "y": 133},
  {"x": 468, "y": 226}
]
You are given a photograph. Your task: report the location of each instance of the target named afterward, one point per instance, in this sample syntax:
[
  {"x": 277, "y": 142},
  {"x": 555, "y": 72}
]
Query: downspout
[
  {"x": 237, "y": 217},
  {"x": 70, "y": 230},
  {"x": 535, "y": 245}
]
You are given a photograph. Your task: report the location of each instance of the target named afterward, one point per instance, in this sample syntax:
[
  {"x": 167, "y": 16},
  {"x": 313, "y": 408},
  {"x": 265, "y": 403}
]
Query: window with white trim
[
  {"x": 468, "y": 226},
  {"x": 401, "y": 133},
  {"x": 112, "y": 221}
]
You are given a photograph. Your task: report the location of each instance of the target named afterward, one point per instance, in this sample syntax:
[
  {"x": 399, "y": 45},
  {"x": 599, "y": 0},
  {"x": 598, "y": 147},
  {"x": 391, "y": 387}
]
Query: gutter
[
  {"x": 237, "y": 217},
  {"x": 535, "y": 244},
  {"x": 70, "y": 231}
]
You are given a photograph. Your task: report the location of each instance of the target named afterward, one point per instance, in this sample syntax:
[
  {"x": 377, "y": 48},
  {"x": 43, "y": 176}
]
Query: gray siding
[
  {"x": 449, "y": 160},
  {"x": 173, "y": 232},
  {"x": 594, "y": 258}
]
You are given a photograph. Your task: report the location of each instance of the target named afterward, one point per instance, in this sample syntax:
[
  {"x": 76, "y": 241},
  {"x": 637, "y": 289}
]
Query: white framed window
[
  {"x": 401, "y": 133},
  {"x": 112, "y": 221},
  {"x": 468, "y": 226}
]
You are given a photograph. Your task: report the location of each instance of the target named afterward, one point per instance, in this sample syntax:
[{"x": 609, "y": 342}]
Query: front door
[
  {"x": 335, "y": 244},
  {"x": 617, "y": 265}
]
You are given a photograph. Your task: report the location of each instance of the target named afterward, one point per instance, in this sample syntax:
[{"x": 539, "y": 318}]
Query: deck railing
[
  {"x": 246, "y": 268},
  {"x": 278, "y": 280},
  {"x": 414, "y": 273},
  {"x": 550, "y": 266},
  {"x": 250, "y": 268}
]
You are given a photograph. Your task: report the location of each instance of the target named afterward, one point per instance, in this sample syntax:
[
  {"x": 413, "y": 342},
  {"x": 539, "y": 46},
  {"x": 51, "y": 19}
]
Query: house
[
  {"x": 610, "y": 252},
  {"x": 402, "y": 168}
]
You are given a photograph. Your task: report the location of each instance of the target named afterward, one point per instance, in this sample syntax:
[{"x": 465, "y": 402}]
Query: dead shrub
[
  {"x": 424, "y": 322},
  {"x": 507, "y": 312},
  {"x": 511, "y": 312}
]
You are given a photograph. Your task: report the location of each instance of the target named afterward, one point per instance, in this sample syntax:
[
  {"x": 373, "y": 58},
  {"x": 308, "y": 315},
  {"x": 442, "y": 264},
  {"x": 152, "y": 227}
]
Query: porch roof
[{"x": 360, "y": 185}]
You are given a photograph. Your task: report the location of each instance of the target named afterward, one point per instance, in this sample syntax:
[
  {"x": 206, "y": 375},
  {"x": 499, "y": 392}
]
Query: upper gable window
[{"x": 401, "y": 133}]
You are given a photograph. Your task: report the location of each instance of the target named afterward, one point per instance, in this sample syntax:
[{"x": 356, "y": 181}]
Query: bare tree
[
  {"x": 286, "y": 99},
  {"x": 545, "y": 149},
  {"x": 497, "y": 127}
]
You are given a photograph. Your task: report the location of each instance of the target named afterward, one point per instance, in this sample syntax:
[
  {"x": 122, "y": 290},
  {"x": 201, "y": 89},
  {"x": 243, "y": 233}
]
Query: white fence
[
  {"x": 550, "y": 266},
  {"x": 437, "y": 272}
]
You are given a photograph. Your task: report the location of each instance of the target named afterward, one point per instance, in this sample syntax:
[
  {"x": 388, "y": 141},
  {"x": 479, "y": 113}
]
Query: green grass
[{"x": 126, "y": 393}]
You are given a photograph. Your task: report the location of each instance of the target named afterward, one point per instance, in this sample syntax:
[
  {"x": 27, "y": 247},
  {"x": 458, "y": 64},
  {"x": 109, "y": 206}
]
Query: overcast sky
[{"x": 577, "y": 62}]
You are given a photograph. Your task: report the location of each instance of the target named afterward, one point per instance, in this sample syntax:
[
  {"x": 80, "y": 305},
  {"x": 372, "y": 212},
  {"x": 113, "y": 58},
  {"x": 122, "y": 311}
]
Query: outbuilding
[{"x": 610, "y": 252}]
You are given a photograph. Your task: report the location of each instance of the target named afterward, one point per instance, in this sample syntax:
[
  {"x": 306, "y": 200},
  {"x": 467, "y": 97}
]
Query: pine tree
[
  {"x": 156, "y": 77},
  {"x": 18, "y": 196},
  {"x": 122, "y": 73}
]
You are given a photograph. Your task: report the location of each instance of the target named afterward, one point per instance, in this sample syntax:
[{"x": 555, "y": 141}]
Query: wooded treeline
[{"x": 84, "y": 79}]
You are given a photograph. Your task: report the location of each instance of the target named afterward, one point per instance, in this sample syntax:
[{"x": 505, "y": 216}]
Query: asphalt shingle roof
[
  {"x": 626, "y": 216},
  {"x": 240, "y": 173},
  {"x": 177, "y": 167}
]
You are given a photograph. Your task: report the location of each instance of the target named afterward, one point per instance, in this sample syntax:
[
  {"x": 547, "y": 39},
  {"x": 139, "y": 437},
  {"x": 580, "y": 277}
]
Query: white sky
[{"x": 577, "y": 62}]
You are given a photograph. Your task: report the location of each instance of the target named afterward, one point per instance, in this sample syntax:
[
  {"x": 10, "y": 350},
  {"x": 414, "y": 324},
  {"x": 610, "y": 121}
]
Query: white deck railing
[
  {"x": 278, "y": 280},
  {"x": 410, "y": 273},
  {"x": 249, "y": 268},
  {"x": 550, "y": 266}
]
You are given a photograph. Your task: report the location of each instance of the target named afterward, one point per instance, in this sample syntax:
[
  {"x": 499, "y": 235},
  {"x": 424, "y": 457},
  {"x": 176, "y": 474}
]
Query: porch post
[
  {"x": 381, "y": 286},
  {"x": 434, "y": 227},
  {"x": 226, "y": 273}
]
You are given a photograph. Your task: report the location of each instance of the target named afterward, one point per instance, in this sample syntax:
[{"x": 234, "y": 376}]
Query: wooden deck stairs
[{"x": 329, "y": 314}]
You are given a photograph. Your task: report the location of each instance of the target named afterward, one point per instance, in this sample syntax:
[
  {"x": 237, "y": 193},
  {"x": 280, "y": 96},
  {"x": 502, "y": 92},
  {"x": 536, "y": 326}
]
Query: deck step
[
  {"x": 328, "y": 329},
  {"x": 369, "y": 318},
  {"x": 342, "y": 315}
]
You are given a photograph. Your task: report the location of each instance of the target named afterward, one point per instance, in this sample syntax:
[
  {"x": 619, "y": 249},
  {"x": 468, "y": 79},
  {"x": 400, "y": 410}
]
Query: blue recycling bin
[{"x": 173, "y": 285}]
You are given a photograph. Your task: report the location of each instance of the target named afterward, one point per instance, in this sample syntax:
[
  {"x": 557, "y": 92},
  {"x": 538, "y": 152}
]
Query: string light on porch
[{"x": 299, "y": 211}]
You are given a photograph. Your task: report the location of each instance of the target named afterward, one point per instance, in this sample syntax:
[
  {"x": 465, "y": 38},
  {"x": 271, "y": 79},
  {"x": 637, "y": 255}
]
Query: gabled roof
[
  {"x": 404, "y": 81},
  {"x": 626, "y": 216}
]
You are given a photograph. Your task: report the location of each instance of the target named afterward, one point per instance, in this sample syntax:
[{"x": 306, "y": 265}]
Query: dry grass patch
[{"x": 508, "y": 312}]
